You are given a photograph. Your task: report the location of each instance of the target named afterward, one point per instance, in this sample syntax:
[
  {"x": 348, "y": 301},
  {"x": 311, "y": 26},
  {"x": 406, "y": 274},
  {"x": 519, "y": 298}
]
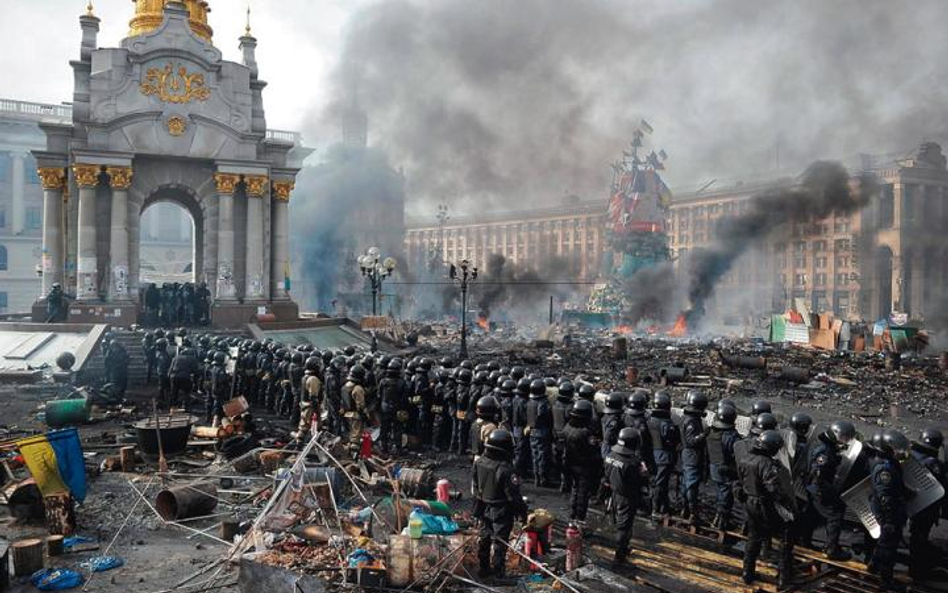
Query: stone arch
[{"x": 184, "y": 198}]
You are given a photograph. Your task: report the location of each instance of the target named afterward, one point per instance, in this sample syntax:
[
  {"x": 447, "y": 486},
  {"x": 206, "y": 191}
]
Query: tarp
[
  {"x": 55, "y": 460},
  {"x": 778, "y": 328}
]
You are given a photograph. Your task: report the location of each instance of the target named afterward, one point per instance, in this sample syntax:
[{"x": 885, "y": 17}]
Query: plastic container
[
  {"x": 415, "y": 525},
  {"x": 443, "y": 491},
  {"x": 67, "y": 412}
]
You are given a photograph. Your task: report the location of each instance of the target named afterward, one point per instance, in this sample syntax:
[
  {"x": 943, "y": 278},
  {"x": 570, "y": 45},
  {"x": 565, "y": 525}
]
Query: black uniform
[
  {"x": 560, "y": 412},
  {"x": 665, "y": 441},
  {"x": 887, "y": 502},
  {"x": 219, "y": 392},
  {"x": 422, "y": 394},
  {"x": 393, "y": 396},
  {"x": 922, "y": 554},
  {"x": 521, "y": 459},
  {"x": 441, "y": 415},
  {"x": 823, "y": 463},
  {"x": 497, "y": 502},
  {"x": 540, "y": 421},
  {"x": 462, "y": 419},
  {"x": 627, "y": 476},
  {"x": 762, "y": 492},
  {"x": 693, "y": 459},
  {"x": 583, "y": 464},
  {"x": 116, "y": 368},
  {"x": 723, "y": 470},
  {"x": 163, "y": 367},
  {"x": 148, "y": 352},
  {"x": 184, "y": 367}
]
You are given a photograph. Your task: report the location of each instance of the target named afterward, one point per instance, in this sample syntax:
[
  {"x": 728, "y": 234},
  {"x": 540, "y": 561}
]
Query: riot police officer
[
  {"x": 333, "y": 394},
  {"x": 485, "y": 424},
  {"x": 521, "y": 458},
  {"x": 421, "y": 395},
  {"x": 148, "y": 352},
  {"x": 560, "y": 411},
  {"x": 441, "y": 410},
  {"x": 353, "y": 405},
  {"x": 497, "y": 501},
  {"x": 800, "y": 425},
  {"x": 636, "y": 416},
  {"x": 588, "y": 393},
  {"x": 822, "y": 466},
  {"x": 540, "y": 432},
  {"x": 627, "y": 475},
  {"x": 665, "y": 441},
  {"x": 693, "y": 454},
  {"x": 611, "y": 421},
  {"x": 887, "y": 500},
  {"x": 505, "y": 397},
  {"x": 163, "y": 368},
  {"x": 310, "y": 404},
  {"x": 921, "y": 552},
  {"x": 767, "y": 506},
  {"x": 581, "y": 458},
  {"x": 219, "y": 389},
  {"x": 462, "y": 420},
  {"x": 723, "y": 465}
]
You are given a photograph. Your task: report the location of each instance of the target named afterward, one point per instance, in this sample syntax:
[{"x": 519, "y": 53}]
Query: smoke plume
[
  {"x": 488, "y": 101},
  {"x": 824, "y": 190},
  {"x": 652, "y": 294},
  {"x": 512, "y": 292}
]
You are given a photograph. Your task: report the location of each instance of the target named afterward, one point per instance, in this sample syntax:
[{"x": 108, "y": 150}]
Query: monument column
[
  {"x": 87, "y": 178},
  {"x": 279, "y": 239},
  {"x": 256, "y": 188},
  {"x": 120, "y": 179},
  {"x": 226, "y": 184},
  {"x": 19, "y": 192},
  {"x": 54, "y": 182}
]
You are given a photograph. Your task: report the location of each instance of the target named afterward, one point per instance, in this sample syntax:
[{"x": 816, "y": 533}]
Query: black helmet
[
  {"x": 769, "y": 442},
  {"x": 161, "y": 343},
  {"x": 465, "y": 376},
  {"x": 725, "y": 418},
  {"x": 327, "y": 357},
  {"x": 220, "y": 358},
  {"x": 312, "y": 364},
  {"x": 108, "y": 337},
  {"x": 933, "y": 439},
  {"x": 697, "y": 401},
  {"x": 411, "y": 367},
  {"x": 480, "y": 378},
  {"x": 615, "y": 401},
  {"x": 149, "y": 336},
  {"x": 518, "y": 373},
  {"x": 349, "y": 350},
  {"x": 891, "y": 443},
  {"x": 842, "y": 431},
  {"x": 297, "y": 357},
  {"x": 629, "y": 439},
  {"x": 549, "y": 381},
  {"x": 638, "y": 400},
  {"x": 480, "y": 367},
  {"x": 255, "y": 346},
  {"x": 523, "y": 386},
  {"x": 565, "y": 391},
  {"x": 467, "y": 364},
  {"x": 764, "y": 422},
  {"x": 800, "y": 423},
  {"x": 493, "y": 365},
  {"x": 502, "y": 378},
  {"x": 338, "y": 362},
  {"x": 492, "y": 378},
  {"x": 582, "y": 410},
  {"x": 487, "y": 407},
  {"x": 393, "y": 370},
  {"x": 760, "y": 407},
  {"x": 446, "y": 362},
  {"x": 537, "y": 389},
  {"x": 508, "y": 387},
  {"x": 500, "y": 441},
  {"x": 661, "y": 401},
  {"x": 367, "y": 361},
  {"x": 443, "y": 375},
  {"x": 587, "y": 392},
  {"x": 159, "y": 333},
  {"x": 357, "y": 374},
  {"x": 726, "y": 403}
]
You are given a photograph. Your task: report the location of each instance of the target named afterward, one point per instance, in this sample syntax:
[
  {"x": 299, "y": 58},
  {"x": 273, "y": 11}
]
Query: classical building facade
[
  {"x": 889, "y": 256},
  {"x": 164, "y": 118}
]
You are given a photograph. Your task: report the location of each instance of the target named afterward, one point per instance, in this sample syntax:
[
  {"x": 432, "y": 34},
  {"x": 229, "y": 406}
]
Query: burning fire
[
  {"x": 623, "y": 329},
  {"x": 483, "y": 323},
  {"x": 680, "y": 329}
]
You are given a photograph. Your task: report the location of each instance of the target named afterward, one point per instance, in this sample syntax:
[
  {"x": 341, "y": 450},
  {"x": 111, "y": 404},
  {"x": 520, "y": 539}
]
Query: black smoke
[
  {"x": 824, "y": 189},
  {"x": 493, "y": 100},
  {"x": 509, "y": 292},
  {"x": 652, "y": 294}
]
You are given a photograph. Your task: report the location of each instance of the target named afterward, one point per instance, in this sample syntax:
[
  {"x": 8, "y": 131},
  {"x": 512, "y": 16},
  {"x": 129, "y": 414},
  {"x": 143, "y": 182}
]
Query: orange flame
[
  {"x": 483, "y": 323},
  {"x": 623, "y": 329},
  {"x": 681, "y": 327}
]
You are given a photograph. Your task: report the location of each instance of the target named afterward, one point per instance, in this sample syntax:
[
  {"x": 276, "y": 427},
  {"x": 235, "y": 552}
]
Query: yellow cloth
[{"x": 41, "y": 459}]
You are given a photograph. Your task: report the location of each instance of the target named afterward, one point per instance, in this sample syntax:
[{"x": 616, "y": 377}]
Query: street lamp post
[
  {"x": 376, "y": 272},
  {"x": 463, "y": 274}
]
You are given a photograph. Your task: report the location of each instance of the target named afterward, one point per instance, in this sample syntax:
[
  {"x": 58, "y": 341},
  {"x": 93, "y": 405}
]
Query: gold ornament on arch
[
  {"x": 256, "y": 185},
  {"x": 282, "y": 190},
  {"x": 176, "y": 125},
  {"x": 52, "y": 178},
  {"x": 175, "y": 85}
]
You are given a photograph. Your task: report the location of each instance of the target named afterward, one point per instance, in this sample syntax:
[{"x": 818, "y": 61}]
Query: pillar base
[
  {"x": 226, "y": 314},
  {"x": 120, "y": 314}
]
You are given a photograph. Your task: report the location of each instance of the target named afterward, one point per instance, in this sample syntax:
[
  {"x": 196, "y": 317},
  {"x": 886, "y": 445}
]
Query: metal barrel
[{"x": 185, "y": 502}]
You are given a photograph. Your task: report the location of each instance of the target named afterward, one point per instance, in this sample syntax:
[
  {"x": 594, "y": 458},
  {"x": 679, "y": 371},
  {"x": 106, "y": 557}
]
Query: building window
[
  {"x": 799, "y": 261},
  {"x": 4, "y": 166},
  {"x": 799, "y": 279},
  {"x": 820, "y": 303},
  {"x": 34, "y": 218},
  {"x": 887, "y": 207},
  {"x": 819, "y": 279},
  {"x": 3, "y": 258},
  {"x": 4, "y": 301},
  {"x": 819, "y": 245},
  {"x": 799, "y": 247},
  {"x": 3, "y": 218},
  {"x": 842, "y": 225},
  {"x": 842, "y": 279},
  {"x": 841, "y": 304},
  {"x": 842, "y": 261},
  {"x": 842, "y": 245},
  {"x": 820, "y": 261}
]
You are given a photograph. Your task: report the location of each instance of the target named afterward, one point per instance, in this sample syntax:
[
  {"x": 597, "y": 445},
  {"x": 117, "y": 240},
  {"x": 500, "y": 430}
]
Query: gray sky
[
  {"x": 491, "y": 103},
  {"x": 298, "y": 45}
]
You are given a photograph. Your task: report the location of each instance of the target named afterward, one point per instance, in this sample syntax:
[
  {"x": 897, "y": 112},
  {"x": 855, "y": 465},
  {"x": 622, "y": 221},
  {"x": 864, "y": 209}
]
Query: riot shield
[
  {"x": 928, "y": 490},
  {"x": 677, "y": 414},
  {"x": 743, "y": 425},
  {"x": 848, "y": 458},
  {"x": 785, "y": 454},
  {"x": 856, "y": 500}
]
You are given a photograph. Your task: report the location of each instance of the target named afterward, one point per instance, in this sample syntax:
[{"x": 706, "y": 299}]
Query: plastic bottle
[{"x": 415, "y": 524}]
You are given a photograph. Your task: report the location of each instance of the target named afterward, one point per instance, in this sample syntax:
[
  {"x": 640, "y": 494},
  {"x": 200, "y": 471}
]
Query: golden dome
[{"x": 148, "y": 16}]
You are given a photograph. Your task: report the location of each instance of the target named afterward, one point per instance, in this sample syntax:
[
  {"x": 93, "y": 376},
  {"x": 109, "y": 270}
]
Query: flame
[
  {"x": 623, "y": 329},
  {"x": 681, "y": 327},
  {"x": 483, "y": 323}
]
